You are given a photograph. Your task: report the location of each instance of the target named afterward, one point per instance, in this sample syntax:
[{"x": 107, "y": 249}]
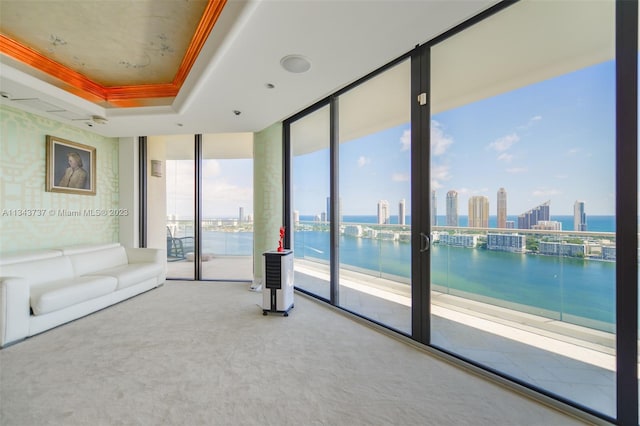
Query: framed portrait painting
[{"x": 71, "y": 167}]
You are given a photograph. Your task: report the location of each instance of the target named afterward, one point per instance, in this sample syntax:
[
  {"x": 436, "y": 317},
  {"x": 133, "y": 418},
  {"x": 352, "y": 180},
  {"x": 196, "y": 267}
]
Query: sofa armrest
[
  {"x": 14, "y": 309},
  {"x": 145, "y": 255}
]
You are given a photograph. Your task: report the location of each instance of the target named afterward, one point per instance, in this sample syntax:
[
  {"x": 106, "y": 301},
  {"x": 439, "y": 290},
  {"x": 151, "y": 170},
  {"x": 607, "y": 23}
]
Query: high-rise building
[
  {"x": 532, "y": 217},
  {"x": 507, "y": 242},
  {"x": 434, "y": 209},
  {"x": 296, "y": 217},
  {"x": 548, "y": 225},
  {"x": 328, "y": 216},
  {"x": 579, "y": 216},
  {"x": 452, "y": 208},
  {"x": 241, "y": 215},
  {"x": 502, "y": 208},
  {"x": 401, "y": 212},
  {"x": 383, "y": 212},
  {"x": 478, "y": 211}
]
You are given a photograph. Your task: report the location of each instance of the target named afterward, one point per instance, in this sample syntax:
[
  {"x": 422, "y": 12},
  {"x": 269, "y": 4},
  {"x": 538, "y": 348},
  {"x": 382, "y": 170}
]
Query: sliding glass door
[
  {"x": 374, "y": 157},
  {"x": 227, "y": 207},
  {"x": 507, "y": 144},
  {"x": 179, "y": 170},
  {"x": 207, "y": 194},
  {"x": 523, "y": 156},
  {"x": 311, "y": 207}
]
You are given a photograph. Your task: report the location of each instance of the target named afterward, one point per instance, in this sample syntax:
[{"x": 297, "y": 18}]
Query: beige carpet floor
[{"x": 203, "y": 354}]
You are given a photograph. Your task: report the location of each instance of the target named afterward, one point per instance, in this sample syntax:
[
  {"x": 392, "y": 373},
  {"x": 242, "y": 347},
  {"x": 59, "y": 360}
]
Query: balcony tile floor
[{"x": 579, "y": 371}]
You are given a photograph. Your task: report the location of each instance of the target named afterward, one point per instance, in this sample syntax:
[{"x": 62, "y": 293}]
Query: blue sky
[{"x": 554, "y": 140}]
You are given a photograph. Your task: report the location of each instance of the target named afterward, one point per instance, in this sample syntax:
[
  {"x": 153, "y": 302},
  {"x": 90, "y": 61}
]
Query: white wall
[{"x": 156, "y": 196}]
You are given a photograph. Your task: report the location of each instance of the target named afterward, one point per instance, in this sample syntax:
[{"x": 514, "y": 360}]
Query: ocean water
[
  {"x": 576, "y": 290},
  {"x": 594, "y": 223}
]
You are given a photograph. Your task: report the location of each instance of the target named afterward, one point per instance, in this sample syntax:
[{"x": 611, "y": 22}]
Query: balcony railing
[
  {"x": 219, "y": 236},
  {"x": 567, "y": 276}
]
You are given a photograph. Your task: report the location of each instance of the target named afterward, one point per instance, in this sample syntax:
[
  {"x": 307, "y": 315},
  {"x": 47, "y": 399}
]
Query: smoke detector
[{"x": 98, "y": 120}]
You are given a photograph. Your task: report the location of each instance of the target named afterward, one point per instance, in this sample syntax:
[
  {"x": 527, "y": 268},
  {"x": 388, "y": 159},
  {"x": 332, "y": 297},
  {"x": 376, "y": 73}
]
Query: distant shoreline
[{"x": 595, "y": 223}]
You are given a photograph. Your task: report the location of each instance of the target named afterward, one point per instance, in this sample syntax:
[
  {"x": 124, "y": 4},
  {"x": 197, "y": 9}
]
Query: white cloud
[
  {"x": 438, "y": 174},
  {"x": 221, "y": 198},
  {"x": 516, "y": 170},
  {"x": 546, "y": 192},
  {"x": 400, "y": 177},
  {"x": 504, "y": 143},
  {"x": 505, "y": 157},
  {"x": 439, "y": 141},
  {"x": 573, "y": 151},
  {"x": 531, "y": 122},
  {"x": 363, "y": 161},
  {"x": 211, "y": 168},
  {"x": 405, "y": 141},
  {"x": 476, "y": 191}
]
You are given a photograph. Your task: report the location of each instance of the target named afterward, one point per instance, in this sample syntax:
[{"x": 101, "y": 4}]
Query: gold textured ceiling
[
  {"x": 111, "y": 42},
  {"x": 112, "y": 52}
]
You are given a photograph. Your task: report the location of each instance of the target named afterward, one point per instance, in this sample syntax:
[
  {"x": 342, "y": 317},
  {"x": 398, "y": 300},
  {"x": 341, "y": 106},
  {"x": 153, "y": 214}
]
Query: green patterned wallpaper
[
  {"x": 30, "y": 217},
  {"x": 267, "y": 194}
]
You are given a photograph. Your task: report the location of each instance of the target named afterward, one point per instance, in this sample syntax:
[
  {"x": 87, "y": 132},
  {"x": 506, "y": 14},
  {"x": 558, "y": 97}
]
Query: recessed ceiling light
[
  {"x": 295, "y": 63},
  {"x": 236, "y": 112},
  {"x": 269, "y": 86},
  {"x": 179, "y": 124}
]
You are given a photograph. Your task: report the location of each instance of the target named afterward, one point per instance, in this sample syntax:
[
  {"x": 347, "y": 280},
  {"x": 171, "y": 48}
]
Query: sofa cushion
[
  {"x": 61, "y": 294},
  {"x": 90, "y": 263},
  {"x": 132, "y": 274},
  {"x": 40, "y": 271},
  {"x": 28, "y": 256},
  {"x": 86, "y": 248}
]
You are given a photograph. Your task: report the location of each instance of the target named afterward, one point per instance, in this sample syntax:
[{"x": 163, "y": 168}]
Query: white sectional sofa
[{"x": 41, "y": 290}]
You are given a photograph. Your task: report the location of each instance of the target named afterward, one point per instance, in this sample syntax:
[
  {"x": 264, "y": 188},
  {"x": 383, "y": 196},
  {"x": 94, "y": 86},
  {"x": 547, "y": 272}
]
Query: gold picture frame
[{"x": 71, "y": 167}]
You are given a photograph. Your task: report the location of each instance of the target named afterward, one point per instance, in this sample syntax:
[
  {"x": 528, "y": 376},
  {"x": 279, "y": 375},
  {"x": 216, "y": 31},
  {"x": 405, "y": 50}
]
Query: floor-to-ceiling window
[
  {"x": 179, "y": 172},
  {"x": 375, "y": 198},
  {"x": 208, "y": 177},
  {"x": 523, "y": 264},
  {"x": 310, "y": 192},
  {"x": 524, "y": 187},
  {"x": 227, "y": 207}
]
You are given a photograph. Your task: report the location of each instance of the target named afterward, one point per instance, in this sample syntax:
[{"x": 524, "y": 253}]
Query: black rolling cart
[{"x": 277, "y": 291}]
